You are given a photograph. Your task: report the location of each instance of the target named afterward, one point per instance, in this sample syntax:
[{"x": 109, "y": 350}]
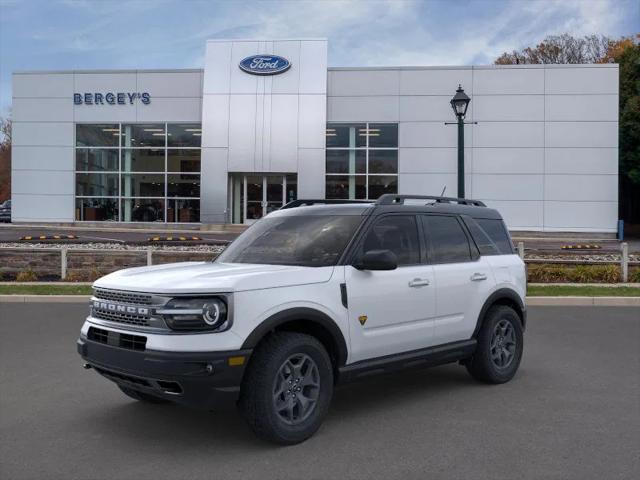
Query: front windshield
[{"x": 309, "y": 241}]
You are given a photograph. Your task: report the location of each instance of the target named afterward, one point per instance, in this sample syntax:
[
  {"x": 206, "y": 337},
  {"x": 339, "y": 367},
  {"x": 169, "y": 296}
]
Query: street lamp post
[{"x": 460, "y": 103}]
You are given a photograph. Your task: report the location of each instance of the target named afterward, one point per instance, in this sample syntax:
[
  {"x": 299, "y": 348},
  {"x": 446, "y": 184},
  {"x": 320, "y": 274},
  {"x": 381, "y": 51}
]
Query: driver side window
[{"x": 397, "y": 233}]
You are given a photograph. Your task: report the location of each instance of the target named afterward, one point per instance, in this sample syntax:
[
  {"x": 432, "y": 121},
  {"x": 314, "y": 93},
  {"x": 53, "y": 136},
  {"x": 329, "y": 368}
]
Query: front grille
[
  {"x": 116, "y": 339},
  {"x": 133, "y": 342},
  {"x": 98, "y": 335},
  {"x": 130, "y": 298},
  {"x": 128, "y": 318}
]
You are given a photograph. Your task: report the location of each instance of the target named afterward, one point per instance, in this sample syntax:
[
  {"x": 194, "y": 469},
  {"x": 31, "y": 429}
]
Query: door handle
[
  {"x": 476, "y": 277},
  {"x": 419, "y": 282}
]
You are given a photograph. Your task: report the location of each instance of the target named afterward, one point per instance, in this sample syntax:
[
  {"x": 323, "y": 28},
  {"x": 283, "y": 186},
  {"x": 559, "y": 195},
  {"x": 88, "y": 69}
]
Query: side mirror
[{"x": 378, "y": 260}]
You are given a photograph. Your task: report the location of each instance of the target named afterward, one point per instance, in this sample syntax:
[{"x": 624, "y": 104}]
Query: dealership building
[{"x": 266, "y": 122}]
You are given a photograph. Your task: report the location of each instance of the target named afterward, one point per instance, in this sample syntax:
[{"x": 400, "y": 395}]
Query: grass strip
[
  {"x": 45, "y": 289},
  {"x": 582, "y": 291}
]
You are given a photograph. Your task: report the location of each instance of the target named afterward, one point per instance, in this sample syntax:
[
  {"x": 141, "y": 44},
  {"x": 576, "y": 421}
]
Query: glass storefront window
[
  {"x": 346, "y": 186},
  {"x": 381, "y": 184},
  {"x": 184, "y": 135},
  {"x": 383, "y": 135},
  {"x": 183, "y": 185},
  {"x": 142, "y": 210},
  {"x": 346, "y": 161},
  {"x": 183, "y": 211},
  {"x": 143, "y": 159},
  {"x": 383, "y": 161},
  {"x": 183, "y": 161},
  {"x": 356, "y": 156},
  {"x": 346, "y": 135},
  {"x": 142, "y": 185},
  {"x": 96, "y": 184},
  {"x": 144, "y": 135},
  {"x": 96, "y": 209},
  {"x": 96, "y": 160},
  {"x": 102, "y": 135},
  {"x": 149, "y": 172}
]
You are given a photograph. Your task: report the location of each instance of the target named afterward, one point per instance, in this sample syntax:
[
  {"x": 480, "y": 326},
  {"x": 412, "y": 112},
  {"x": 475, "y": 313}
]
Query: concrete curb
[
  {"x": 583, "y": 301},
  {"x": 531, "y": 301}
]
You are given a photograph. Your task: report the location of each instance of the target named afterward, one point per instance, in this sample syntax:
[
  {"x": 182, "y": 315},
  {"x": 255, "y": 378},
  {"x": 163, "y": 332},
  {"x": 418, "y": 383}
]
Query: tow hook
[{"x": 86, "y": 366}]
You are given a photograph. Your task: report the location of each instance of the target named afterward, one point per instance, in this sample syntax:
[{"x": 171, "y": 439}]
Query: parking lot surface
[{"x": 572, "y": 411}]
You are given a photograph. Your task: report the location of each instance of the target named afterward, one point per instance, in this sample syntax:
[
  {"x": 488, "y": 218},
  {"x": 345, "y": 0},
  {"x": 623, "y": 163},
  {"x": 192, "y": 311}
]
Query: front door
[
  {"x": 391, "y": 311},
  {"x": 253, "y": 196}
]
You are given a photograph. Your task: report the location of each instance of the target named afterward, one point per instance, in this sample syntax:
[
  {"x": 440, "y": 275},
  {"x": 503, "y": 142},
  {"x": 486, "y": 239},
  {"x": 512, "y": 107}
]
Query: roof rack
[
  {"x": 319, "y": 201},
  {"x": 391, "y": 199}
]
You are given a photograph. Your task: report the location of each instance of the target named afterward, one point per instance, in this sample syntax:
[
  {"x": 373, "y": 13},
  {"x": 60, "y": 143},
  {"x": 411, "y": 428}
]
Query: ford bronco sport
[{"x": 317, "y": 293}]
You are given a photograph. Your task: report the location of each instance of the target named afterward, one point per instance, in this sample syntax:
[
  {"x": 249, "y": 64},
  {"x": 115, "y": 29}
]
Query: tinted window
[
  {"x": 484, "y": 243},
  {"x": 104, "y": 135},
  {"x": 448, "y": 241},
  {"x": 497, "y": 232},
  {"x": 309, "y": 241},
  {"x": 397, "y": 233}
]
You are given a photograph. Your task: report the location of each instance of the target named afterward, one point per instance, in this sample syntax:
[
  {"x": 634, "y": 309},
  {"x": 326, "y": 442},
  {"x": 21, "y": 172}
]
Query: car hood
[{"x": 209, "y": 277}]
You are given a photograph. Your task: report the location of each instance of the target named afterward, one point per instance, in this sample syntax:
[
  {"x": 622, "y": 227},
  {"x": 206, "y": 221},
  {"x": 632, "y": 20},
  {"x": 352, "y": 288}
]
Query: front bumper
[{"x": 195, "y": 379}]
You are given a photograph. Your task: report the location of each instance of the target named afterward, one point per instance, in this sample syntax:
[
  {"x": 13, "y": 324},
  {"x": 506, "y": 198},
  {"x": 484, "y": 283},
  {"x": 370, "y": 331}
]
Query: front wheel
[
  {"x": 500, "y": 346},
  {"x": 287, "y": 388}
]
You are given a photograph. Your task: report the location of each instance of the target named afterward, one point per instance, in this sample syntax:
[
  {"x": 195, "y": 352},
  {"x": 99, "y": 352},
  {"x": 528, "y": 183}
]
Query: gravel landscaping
[{"x": 116, "y": 246}]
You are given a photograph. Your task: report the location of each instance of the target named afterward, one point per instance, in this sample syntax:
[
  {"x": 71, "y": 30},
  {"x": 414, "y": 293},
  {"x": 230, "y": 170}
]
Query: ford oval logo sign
[{"x": 265, "y": 64}]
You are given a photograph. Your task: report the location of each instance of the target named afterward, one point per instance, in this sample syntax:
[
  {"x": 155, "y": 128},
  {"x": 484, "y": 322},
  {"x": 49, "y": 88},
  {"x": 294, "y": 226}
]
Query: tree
[
  {"x": 560, "y": 49},
  {"x": 5, "y": 159},
  {"x": 626, "y": 53}
]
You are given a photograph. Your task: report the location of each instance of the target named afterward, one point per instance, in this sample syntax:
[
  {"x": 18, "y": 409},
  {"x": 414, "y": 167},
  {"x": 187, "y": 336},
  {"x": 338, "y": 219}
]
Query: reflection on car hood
[{"x": 208, "y": 277}]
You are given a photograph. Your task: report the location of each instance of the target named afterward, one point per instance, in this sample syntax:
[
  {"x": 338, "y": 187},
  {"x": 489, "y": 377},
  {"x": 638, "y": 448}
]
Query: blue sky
[{"x": 88, "y": 34}]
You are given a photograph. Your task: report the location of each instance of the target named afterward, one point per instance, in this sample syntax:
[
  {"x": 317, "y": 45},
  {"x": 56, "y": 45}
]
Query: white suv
[{"x": 317, "y": 293}]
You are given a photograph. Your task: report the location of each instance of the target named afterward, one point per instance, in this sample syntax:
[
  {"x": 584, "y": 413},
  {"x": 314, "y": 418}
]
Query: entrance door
[{"x": 253, "y": 196}]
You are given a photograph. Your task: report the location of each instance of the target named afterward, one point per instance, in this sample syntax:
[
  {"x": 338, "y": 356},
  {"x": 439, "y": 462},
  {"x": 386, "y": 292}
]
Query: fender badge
[{"x": 362, "y": 319}]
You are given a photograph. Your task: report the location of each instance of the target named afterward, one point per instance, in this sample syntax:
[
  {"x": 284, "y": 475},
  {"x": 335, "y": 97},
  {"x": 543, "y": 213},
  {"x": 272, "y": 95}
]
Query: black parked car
[{"x": 5, "y": 211}]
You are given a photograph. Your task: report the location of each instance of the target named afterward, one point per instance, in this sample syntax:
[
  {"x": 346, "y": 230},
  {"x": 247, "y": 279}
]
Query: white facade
[{"x": 544, "y": 150}]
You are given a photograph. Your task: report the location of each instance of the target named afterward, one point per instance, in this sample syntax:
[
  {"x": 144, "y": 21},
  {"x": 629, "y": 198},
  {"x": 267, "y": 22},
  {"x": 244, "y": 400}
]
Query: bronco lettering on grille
[{"x": 117, "y": 308}]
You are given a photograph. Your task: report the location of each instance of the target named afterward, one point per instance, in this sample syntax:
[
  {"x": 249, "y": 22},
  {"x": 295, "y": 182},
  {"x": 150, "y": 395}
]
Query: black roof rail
[
  {"x": 392, "y": 199},
  {"x": 305, "y": 202}
]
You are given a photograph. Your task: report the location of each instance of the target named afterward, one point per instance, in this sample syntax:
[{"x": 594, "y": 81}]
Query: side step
[{"x": 425, "y": 357}]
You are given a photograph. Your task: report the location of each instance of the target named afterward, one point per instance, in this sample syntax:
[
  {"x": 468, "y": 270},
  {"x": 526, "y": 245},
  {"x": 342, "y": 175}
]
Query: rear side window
[
  {"x": 483, "y": 242},
  {"x": 398, "y": 233},
  {"x": 497, "y": 232},
  {"x": 449, "y": 243}
]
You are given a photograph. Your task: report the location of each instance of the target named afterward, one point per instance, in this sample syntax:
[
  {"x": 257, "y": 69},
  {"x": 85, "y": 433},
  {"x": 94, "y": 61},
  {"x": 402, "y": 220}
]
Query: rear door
[
  {"x": 463, "y": 279},
  {"x": 391, "y": 311}
]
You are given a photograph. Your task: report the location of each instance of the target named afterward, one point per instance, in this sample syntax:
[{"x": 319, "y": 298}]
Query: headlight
[{"x": 196, "y": 314}]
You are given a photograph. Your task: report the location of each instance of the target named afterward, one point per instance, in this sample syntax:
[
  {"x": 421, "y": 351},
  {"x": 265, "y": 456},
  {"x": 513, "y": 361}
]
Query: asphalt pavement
[{"x": 571, "y": 412}]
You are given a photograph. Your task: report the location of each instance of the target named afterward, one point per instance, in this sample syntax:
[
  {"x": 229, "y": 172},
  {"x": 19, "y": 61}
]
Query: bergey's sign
[
  {"x": 265, "y": 64},
  {"x": 110, "y": 98}
]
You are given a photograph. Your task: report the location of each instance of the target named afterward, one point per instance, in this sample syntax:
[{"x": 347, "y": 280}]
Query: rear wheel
[
  {"x": 141, "y": 396},
  {"x": 287, "y": 388},
  {"x": 500, "y": 346}
]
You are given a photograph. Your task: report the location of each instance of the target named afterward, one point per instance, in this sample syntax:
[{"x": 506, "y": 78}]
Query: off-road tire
[
  {"x": 141, "y": 396},
  {"x": 257, "y": 395},
  {"x": 483, "y": 366}
]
